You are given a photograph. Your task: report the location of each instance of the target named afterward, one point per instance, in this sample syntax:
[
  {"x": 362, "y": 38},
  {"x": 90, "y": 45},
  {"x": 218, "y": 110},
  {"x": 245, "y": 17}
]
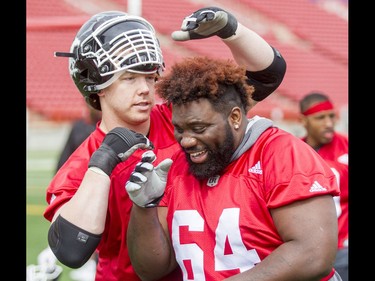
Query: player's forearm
[
  {"x": 250, "y": 49},
  {"x": 149, "y": 248},
  {"x": 87, "y": 209}
]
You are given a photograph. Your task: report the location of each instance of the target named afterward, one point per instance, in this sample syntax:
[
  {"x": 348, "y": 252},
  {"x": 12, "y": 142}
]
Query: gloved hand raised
[
  {"x": 117, "y": 146},
  {"x": 205, "y": 23},
  {"x": 147, "y": 183}
]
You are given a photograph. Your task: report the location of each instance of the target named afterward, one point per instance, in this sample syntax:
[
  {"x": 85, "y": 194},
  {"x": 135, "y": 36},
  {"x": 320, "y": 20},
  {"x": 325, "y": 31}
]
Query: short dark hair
[{"x": 311, "y": 98}]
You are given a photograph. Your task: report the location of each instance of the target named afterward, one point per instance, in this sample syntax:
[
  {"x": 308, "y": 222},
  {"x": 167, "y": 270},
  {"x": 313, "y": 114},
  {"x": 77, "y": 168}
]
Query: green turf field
[{"x": 40, "y": 169}]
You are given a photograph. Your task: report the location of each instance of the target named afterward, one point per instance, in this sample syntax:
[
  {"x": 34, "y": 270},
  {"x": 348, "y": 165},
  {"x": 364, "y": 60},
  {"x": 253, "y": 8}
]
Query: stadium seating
[{"x": 317, "y": 55}]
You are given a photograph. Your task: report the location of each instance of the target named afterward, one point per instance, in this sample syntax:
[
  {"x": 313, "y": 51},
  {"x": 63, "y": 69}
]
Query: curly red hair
[{"x": 220, "y": 81}]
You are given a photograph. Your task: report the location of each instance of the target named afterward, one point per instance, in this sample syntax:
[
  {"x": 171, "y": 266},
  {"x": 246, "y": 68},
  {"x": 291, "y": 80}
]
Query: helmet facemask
[
  {"x": 122, "y": 46},
  {"x": 109, "y": 44}
]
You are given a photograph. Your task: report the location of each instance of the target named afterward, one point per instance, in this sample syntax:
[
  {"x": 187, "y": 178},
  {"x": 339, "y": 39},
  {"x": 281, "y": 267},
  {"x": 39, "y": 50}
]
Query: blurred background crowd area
[{"x": 311, "y": 34}]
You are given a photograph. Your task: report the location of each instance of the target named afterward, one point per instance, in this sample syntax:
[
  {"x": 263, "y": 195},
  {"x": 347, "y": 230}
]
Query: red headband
[{"x": 325, "y": 105}]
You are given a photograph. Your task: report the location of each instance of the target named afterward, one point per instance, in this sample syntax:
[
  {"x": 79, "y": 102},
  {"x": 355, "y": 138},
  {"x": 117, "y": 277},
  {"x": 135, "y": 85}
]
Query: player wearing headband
[{"x": 318, "y": 116}]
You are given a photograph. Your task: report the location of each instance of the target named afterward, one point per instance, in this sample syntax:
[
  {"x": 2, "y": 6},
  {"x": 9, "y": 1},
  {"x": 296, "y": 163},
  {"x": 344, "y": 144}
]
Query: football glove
[
  {"x": 205, "y": 23},
  {"x": 147, "y": 183},
  {"x": 117, "y": 146}
]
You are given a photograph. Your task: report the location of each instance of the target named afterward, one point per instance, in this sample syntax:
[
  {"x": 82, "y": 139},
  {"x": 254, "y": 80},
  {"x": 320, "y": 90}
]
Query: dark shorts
[{"x": 342, "y": 263}]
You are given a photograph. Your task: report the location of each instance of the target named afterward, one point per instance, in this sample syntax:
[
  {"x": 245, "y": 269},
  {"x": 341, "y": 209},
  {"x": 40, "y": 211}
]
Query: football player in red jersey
[
  {"x": 319, "y": 117},
  {"x": 244, "y": 200},
  {"x": 115, "y": 61}
]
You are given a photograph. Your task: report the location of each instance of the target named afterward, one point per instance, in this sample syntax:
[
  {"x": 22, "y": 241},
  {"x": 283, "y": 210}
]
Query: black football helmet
[{"x": 108, "y": 44}]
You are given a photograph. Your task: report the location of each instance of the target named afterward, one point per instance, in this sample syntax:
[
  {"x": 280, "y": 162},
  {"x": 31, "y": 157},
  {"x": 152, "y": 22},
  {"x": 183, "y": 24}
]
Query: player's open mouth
[{"x": 199, "y": 157}]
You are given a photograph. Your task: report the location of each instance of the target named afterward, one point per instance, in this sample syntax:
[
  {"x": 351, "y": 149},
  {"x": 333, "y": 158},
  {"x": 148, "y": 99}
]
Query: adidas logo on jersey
[
  {"x": 317, "y": 187},
  {"x": 256, "y": 169}
]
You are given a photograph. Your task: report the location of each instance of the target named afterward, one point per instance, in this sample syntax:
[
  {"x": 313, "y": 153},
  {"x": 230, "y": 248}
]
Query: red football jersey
[
  {"x": 337, "y": 157},
  {"x": 114, "y": 263},
  {"x": 222, "y": 226}
]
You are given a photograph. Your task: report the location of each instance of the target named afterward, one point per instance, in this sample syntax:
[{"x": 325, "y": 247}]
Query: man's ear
[
  {"x": 235, "y": 117},
  {"x": 302, "y": 119}
]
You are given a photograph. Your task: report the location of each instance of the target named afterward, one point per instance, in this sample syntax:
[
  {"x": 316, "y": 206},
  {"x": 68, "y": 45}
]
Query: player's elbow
[
  {"x": 319, "y": 260},
  {"x": 71, "y": 245}
]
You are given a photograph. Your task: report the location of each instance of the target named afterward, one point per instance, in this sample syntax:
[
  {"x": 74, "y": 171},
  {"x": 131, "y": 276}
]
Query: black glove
[
  {"x": 117, "y": 146},
  {"x": 205, "y": 23}
]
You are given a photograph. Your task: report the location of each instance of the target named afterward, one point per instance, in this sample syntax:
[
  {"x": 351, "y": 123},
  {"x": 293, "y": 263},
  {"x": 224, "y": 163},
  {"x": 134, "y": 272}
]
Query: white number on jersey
[{"x": 227, "y": 230}]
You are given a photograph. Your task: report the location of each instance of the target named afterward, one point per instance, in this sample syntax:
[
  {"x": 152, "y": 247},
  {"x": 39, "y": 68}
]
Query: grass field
[{"x": 40, "y": 169}]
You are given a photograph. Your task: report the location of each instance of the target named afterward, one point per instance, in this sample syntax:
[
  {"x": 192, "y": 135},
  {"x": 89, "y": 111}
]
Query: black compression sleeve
[
  {"x": 268, "y": 80},
  {"x": 71, "y": 245}
]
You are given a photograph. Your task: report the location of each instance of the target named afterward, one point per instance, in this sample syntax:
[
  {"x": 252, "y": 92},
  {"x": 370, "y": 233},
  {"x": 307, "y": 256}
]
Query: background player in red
[
  {"x": 319, "y": 118},
  {"x": 244, "y": 200},
  {"x": 115, "y": 61}
]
